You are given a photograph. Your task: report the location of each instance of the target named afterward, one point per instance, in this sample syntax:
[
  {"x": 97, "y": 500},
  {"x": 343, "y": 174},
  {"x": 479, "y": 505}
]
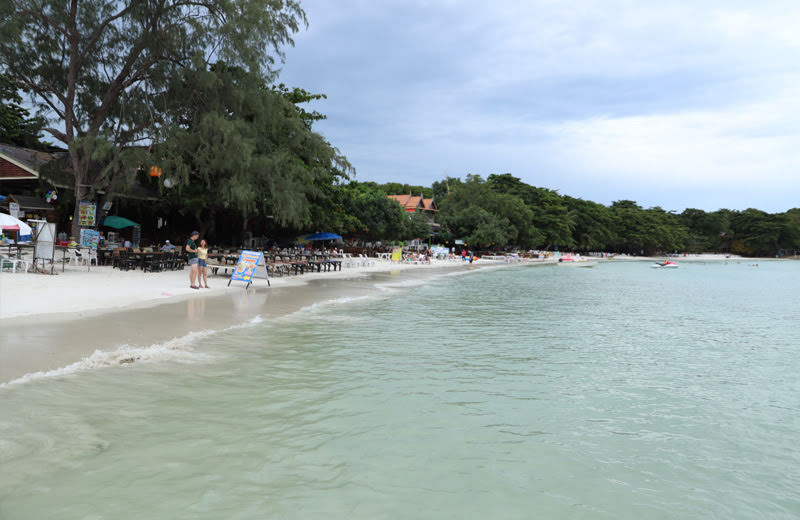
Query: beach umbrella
[
  {"x": 323, "y": 236},
  {"x": 118, "y": 222},
  {"x": 9, "y": 223}
]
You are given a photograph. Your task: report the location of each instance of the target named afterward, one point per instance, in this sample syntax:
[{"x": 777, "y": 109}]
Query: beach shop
[{"x": 27, "y": 207}]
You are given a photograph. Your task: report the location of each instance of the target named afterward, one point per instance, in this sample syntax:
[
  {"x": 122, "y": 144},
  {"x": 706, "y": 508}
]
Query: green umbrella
[{"x": 118, "y": 222}]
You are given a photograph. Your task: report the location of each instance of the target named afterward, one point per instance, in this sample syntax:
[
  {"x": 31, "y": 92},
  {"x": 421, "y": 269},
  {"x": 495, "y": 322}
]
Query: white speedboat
[
  {"x": 666, "y": 264},
  {"x": 576, "y": 261}
]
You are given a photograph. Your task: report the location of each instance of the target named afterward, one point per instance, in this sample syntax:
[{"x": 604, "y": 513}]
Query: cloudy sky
[{"x": 673, "y": 104}]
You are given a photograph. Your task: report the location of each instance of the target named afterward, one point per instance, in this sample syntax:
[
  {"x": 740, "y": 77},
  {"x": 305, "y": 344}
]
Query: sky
[{"x": 673, "y": 104}]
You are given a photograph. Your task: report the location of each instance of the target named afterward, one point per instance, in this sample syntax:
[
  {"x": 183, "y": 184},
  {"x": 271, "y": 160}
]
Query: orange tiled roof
[
  {"x": 429, "y": 205},
  {"x": 409, "y": 202},
  {"x": 401, "y": 199}
]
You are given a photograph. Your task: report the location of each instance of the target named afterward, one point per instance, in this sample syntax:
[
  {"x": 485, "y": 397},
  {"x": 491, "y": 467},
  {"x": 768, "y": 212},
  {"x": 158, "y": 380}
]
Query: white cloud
[
  {"x": 649, "y": 98},
  {"x": 746, "y": 145}
]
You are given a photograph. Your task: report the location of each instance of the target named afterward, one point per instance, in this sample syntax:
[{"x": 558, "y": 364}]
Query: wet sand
[{"x": 36, "y": 344}]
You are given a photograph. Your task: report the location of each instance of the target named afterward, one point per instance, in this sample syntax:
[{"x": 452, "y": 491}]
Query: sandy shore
[{"x": 80, "y": 319}]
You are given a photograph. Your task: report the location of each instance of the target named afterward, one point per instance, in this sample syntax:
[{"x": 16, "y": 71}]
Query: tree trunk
[{"x": 80, "y": 192}]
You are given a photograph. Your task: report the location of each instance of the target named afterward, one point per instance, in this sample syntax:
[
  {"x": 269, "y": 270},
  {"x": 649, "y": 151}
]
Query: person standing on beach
[
  {"x": 191, "y": 253},
  {"x": 202, "y": 256}
]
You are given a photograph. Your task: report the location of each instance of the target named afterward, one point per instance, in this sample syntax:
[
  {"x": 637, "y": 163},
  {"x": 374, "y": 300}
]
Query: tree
[
  {"x": 550, "y": 215},
  {"x": 16, "y": 124},
  {"x": 378, "y": 217},
  {"x": 415, "y": 225},
  {"x": 96, "y": 67},
  {"x": 706, "y": 231},
  {"x": 756, "y": 232},
  {"x": 790, "y": 229},
  {"x": 475, "y": 203},
  {"x": 592, "y": 224},
  {"x": 650, "y": 230},
  {"x": 234, "y": 143}
]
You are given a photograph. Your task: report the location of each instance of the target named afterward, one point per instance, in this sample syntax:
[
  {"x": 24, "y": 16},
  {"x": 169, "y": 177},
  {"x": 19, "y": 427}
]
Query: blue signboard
[{"x": 246, "y": 267}]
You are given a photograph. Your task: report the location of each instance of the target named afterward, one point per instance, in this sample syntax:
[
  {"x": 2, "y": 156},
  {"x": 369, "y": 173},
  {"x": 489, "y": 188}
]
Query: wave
[
  {"x": 316, "y": 307},
  {"x": 177, "y": 349}
]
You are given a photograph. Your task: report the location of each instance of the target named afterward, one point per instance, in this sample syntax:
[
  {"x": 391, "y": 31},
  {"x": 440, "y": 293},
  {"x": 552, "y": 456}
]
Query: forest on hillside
[{"x": 503, "y": 212}]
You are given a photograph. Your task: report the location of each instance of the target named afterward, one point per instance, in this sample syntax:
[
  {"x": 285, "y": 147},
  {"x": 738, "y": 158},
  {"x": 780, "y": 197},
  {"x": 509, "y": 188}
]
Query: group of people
[{"x": 197, "y": 253}]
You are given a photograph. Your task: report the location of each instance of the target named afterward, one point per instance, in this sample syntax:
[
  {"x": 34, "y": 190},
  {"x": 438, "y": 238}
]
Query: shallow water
[{"x": 614, "y": 392}]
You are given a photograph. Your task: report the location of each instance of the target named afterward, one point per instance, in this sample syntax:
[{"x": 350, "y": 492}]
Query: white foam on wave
[
  {"x": 418, "y": 282},
  {"x": 324, "y": 305},
  {"x": 176, "y": 350},
  {"x": 480, "y": 268},
  {"x": 404, "y": 284}
]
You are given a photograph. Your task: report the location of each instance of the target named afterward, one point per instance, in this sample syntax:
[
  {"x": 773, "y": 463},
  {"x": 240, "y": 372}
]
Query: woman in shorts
[{"x": 202, "y": 257}]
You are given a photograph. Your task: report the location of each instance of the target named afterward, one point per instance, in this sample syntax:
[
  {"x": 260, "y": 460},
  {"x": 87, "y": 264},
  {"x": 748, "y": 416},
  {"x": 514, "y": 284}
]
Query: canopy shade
[
  {"x": 323, "y": 236},
  {"x": 9, "y": 223},
  {"x": 118, "y": 222}
]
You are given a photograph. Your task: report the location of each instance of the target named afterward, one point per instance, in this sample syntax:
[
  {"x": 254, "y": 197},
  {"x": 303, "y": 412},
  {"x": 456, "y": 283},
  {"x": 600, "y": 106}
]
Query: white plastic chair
[
  {"x": 347, "y": 260},
  {"x": 13, "y": 263},
  {"x": 90, "y": 256},
  {"x": 74, "y": 259}
]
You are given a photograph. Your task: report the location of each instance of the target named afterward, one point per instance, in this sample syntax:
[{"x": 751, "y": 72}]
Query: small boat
[
  {"x": 666, "y": 264},
  {"x": 572, "y": 261}
]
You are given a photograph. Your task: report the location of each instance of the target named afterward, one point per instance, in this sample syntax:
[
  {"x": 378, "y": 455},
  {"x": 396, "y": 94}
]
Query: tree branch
[
  {"x": 102, "y": 27},
  {"x": 40, "y": 16},
  {"x": 58, "y": 134}
]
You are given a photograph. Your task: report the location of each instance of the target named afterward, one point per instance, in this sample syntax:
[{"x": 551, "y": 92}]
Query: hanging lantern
[{"x": 155, "y": 171}]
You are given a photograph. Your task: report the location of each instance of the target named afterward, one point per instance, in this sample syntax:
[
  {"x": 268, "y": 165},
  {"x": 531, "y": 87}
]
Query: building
[
  {"x": 29, "y": 207},
  {"x": 419, "y": 204},
  {"x": 20, "y": 168},
  {"x": 20, "y": 181}
]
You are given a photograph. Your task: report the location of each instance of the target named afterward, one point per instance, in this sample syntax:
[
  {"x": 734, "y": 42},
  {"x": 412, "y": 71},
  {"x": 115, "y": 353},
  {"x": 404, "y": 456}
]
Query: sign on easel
[
  {"x": 397, "y": 254},
  {"x": 246, "y": 267}
]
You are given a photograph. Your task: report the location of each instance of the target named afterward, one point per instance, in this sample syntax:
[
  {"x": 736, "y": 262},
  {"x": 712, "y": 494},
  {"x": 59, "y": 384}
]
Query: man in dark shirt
[{"x": 191, "y": 253}]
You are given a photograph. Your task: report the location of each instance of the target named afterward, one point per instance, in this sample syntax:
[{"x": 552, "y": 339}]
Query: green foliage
[
  {"x": 551, "y": 217},
  {"x": 415, "y": 226},
  {"x": 236, "y": 144},
  {"x": 298, "y": 96},
  {"x": 16, "y": 124},
  {"x": 378, "y": 217},
  {"x": 592, "y": 224},
  {"x": 758, "y": 231},
  {"x": 707, "y": 231},
  {"x": 790, "y": 229},
  {"x": 650, "y": 231},
  {"x": 487, "y": 215},
  {"x": 100, "y": 69},
  {"x": 395, "y": 188}
]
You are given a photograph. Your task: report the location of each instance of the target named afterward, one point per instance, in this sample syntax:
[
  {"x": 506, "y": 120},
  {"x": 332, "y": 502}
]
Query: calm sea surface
[{"x": 554, "y": 392}]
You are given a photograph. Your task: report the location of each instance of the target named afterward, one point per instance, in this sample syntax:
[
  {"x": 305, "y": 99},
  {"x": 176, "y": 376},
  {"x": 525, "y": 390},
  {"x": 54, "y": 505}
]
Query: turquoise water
[{"x": 614, "y": 392}]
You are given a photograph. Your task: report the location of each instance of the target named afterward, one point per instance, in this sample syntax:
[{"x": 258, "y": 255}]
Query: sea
[{"x": 510, "y": 392}]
